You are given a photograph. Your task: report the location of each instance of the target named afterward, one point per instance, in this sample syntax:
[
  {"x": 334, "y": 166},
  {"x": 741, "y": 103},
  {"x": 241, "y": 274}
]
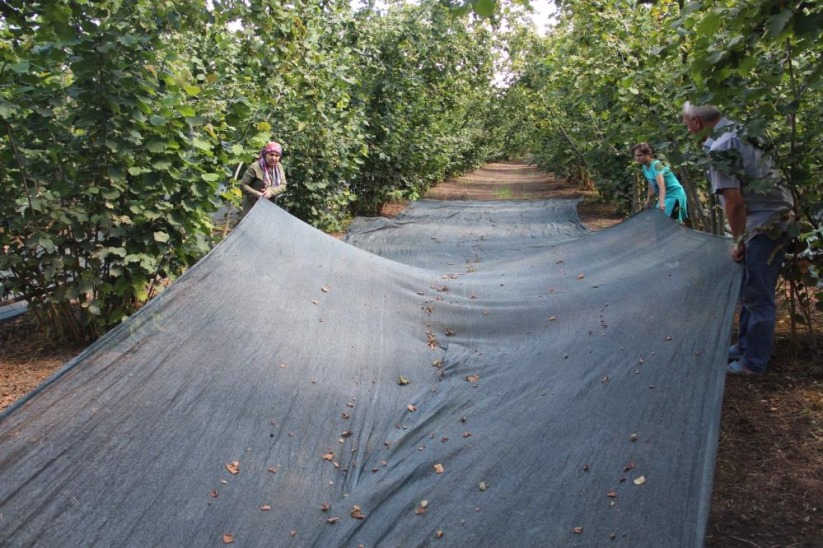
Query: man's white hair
[{"x": 704, "y": 112}]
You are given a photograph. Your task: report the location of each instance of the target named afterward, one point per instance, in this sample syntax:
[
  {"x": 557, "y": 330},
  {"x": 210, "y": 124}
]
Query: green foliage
[
  {"x": 616, "y": 72},
  {"x": 125, "y": 124},
  {"x": 103, "y": 195},
  {"x": 425, "y": 88}
]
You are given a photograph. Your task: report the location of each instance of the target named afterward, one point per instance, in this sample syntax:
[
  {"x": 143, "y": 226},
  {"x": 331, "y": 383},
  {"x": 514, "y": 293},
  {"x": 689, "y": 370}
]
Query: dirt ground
[{"x": 768, "y": 487}]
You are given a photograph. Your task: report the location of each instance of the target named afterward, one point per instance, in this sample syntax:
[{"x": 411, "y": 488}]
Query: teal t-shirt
[
  {"x": 675, "y": 195},
  {"x": 655, "y": 167}
]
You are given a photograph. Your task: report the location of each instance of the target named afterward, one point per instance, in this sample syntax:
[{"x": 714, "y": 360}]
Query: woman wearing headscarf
[
  {"x": 265, "y": 178},
  {"x": 664, "y": 187}
]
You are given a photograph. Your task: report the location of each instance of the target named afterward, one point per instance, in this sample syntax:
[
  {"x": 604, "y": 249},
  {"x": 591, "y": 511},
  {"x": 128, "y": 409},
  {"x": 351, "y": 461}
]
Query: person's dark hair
[{"x": 643, "y": 147}]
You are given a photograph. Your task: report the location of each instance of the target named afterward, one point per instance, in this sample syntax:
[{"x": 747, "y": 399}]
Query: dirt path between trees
[
  {"x": 517, "y": 181},
  {"x": 768, "y": 487}
]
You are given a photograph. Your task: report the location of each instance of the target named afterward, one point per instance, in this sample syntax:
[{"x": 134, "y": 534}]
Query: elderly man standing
[{"x": 759, "y": 207}]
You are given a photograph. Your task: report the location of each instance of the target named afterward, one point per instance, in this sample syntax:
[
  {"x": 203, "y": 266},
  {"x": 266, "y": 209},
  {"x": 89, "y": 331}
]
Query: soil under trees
[{"x": 768, "y": 485}]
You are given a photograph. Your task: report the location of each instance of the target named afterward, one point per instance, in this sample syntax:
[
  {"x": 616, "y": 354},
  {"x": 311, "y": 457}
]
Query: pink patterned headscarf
[
  {"x": 271, "y": 177},
  {"x": 271, "y": 146}
]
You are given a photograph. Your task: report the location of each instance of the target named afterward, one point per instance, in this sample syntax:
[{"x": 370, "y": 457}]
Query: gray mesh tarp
[{"x": 514, "y": 381}]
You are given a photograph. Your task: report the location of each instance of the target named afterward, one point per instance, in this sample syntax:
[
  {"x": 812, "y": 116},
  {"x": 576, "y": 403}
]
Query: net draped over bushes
[{"x": 500, "y": 376}]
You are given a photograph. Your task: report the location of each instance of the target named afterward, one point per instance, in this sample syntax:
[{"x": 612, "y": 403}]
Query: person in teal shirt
[{"x": 671, "y": 198}]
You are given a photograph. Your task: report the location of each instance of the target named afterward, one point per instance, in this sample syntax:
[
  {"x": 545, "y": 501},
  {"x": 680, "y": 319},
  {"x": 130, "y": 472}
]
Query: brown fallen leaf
[
  {"x": 228, "y": 538},
  {"x": 467, "y": 434},
  {"x": 293, "y": 532},
  {"x": 233, "y": 467},
  {"x": 439, "y": 534},
  {"x": 402, "y": 381},
  {"x": 552, "y": 318},
  {"x": 611, "y": 494},
  {"x": 214, "y": 493},
  {"x": 580, "y": 276},
  {"x": 578, "y": 530},
  {"x": 640, "y": 480},
  {"x": 329, "y": 456},
  {"x": 333, "y": 520},
  {"x": 629, "y": 466},
  {"x": 472, "y": 378},
  {"x": 324, "y": 289},
  {"x": 438, "y": 468},
  {"x": 357, "y": 513},
  {"x": 314, "y": 301},
  {"x": 411, "y": 408},
  {"x": 265, "y": 508}
]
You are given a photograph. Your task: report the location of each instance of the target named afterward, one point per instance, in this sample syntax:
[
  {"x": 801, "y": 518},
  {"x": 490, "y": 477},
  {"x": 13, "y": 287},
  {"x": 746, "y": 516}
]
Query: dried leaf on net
[
  {"x": 357, "y": 512},
  {"x": 228, "y": 538},
  {"x": 472, "y": 378},
  {"x": 265, "y": 508},
  {"x": 233, "y": 467},
  {"x": 438, "y": 468},
  {"x": 324, "y": 289},
  {"x": 640, "y": 480},
  {"x": 402, "y": 381},
  {"x": 328, "y": 456},
  {"x": 411, "y": 408},
  {"x": 333, "y": 520}
]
